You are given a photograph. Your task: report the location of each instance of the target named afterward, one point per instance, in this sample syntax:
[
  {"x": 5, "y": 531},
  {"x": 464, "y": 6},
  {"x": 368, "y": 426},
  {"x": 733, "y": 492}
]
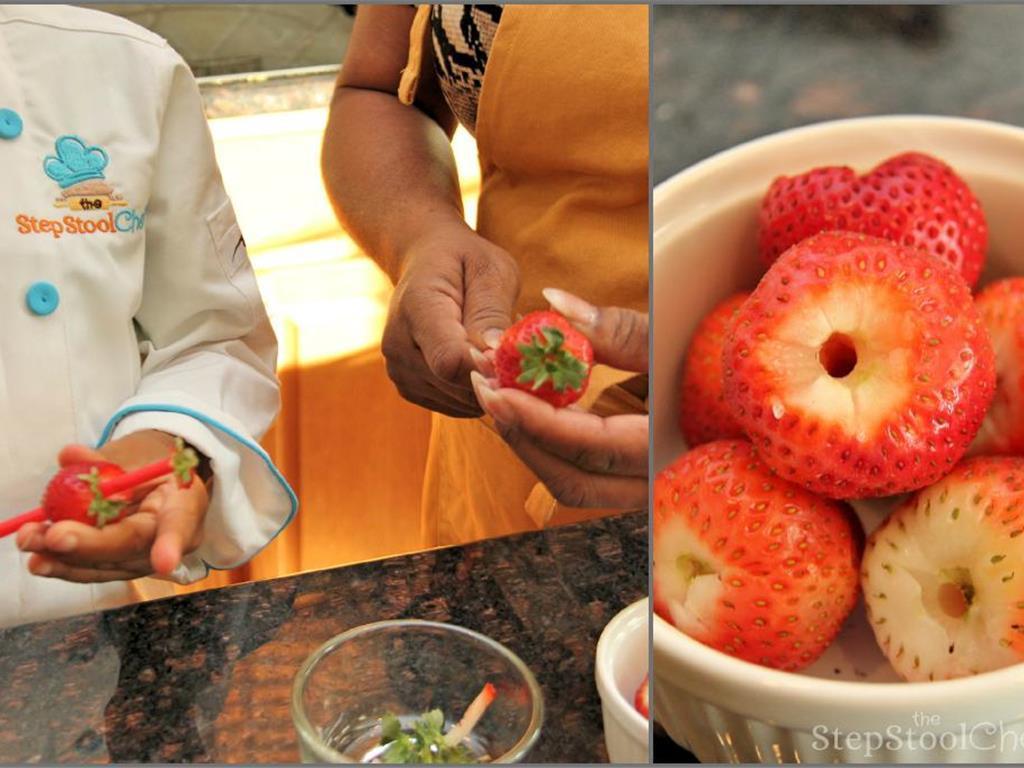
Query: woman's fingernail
[
  {"x": 65, "y": 544},
  {"x": 573, "y": 307},
  {"x": 492, "y": 337},
  {"x": 480, "y": 361},
  {"x": 42, "y": 569},
  {"x": 490, "y": 400}
]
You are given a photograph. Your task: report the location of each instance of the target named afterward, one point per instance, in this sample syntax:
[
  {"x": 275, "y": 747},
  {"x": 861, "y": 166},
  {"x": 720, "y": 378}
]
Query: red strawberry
[
  {"x": 641, "y": 701},
  {"x": 911, "y": 199},
  {"x": 73, "y": 494},
  {"x": 95, "y": 492},
  {"x": 544, "y": 355},
  {"x": 1001, "y": 306},
  {"x": 749, "y": 563},
  {"x": 703, "y": 414},
  {"x": 858, "y": 367},
  {"x": 944, "y": 576}
]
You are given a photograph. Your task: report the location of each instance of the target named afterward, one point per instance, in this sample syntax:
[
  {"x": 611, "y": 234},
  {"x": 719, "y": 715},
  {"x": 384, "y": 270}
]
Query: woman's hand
[
  {"x": 454, "y": 298},
  {"x": 391, "y": 175},
  {"x": 583, "y": 459},
  {"x": 166, "y": 524}
]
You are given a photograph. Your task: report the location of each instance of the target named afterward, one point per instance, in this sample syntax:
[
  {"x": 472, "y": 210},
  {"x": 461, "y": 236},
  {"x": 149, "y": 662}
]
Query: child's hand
[{"x": 167, "y": 525}]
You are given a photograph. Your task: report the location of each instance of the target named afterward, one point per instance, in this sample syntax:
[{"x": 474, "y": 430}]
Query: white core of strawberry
[
  {"x": 688, "y": 578},
  {"x": 857, "y": 390},
  {"x": 472, "y": 716},
  {"x": 940, "y": 584}
]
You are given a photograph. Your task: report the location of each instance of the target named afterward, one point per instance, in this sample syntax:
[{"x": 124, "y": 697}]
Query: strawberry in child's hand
[
  {"x": 73, "y": 494},
  {"x": 943, "y": 578},
  {"x": 546, "y": 356},
  {"x": 911, "y": 199},
  {"x": 93, "y": 492},
  {"x": 859, "y": 368},
  {"x": 641, "y": 700},
  {"x": 703, "y": 414},
  {"x": 749, "y": 563},
  {"x": 1001, "y": 306}
]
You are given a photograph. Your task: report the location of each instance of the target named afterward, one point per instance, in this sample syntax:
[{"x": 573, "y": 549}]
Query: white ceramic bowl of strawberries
[
  {"x": 859, "y": 368},
  {"x": 620, "y": 667}
]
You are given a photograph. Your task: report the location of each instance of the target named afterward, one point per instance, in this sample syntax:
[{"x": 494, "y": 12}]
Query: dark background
[
  {"x": 723, "y": 75},
  {"x": 727, "y": 74}
]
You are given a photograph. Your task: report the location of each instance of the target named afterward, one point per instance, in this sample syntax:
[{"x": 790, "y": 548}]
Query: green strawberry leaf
[
  {"x": 101, "y": 508},
  {"x": 390, "y": 728},
  {"x": 421, "y": 743},
  {"x": 546, "y": 359},
  {"x": 183, "y": 462}
]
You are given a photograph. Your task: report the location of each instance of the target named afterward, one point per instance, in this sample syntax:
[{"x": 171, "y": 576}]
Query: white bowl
[
  {"x": 622, "y": 661},
  {"x": 705, "y": 248}
]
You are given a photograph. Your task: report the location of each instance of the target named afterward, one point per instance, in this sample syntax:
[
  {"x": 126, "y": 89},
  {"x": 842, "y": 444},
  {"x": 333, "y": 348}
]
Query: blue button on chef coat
[
  {"x": 42, "y": 298},
  {"x": 10, "y": 124}
]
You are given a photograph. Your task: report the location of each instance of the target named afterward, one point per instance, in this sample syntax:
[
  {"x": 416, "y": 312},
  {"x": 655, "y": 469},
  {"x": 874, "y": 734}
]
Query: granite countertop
[{"x": 207, "y": 677}]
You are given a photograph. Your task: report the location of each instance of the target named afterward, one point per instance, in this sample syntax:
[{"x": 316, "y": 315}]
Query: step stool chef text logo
[{"x": 78, "y": 168}]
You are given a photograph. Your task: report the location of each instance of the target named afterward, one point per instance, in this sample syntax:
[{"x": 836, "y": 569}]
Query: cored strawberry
[
  {"x": 642, "y": 701},
  {"x": 944, "y": 576},
  {"x": 95, "y": 492},
  {"x": 546, "y": 356},
  {"x": 912, "y": 199},
  {"x": 749, "y": 563},
  {"x": 1001, "y": 306},
  {"x": 703, "y": 414},
  {"x": 73, "y": 494},
  {"x": 858, "y": 367}
]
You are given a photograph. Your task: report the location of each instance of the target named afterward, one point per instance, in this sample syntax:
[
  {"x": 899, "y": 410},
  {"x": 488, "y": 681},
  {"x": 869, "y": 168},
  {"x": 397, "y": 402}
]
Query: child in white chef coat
[{"x": 130, "y": 315}]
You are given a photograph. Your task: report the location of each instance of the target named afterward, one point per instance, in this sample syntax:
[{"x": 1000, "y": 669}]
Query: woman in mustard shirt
[{"x": 556, "y": 97}]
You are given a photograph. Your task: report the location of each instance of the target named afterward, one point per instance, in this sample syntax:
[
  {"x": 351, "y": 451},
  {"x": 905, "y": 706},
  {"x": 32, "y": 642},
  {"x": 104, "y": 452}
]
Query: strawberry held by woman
[{"x": 546, "y": 356}]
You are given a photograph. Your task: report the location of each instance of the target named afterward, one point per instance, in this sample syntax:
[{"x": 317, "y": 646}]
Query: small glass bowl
[{"x": 407, "y": 667}]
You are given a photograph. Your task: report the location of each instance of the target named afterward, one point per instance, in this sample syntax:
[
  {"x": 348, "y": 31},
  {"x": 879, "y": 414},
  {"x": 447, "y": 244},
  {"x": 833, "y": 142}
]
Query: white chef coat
[{"x": 127, "y": 299}]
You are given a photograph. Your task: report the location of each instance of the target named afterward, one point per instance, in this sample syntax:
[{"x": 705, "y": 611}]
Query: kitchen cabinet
[{"x": 351, "y": 448}]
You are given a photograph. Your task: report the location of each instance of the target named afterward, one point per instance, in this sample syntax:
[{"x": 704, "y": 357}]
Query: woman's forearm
[{"x": 389, "y": 171}]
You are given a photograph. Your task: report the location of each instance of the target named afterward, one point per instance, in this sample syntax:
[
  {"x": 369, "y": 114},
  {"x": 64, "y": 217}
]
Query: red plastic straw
[
  {"x": 7, "y": 527},
  {"x": 109, "y": 487},
  {"x": 129, "y": 480}
]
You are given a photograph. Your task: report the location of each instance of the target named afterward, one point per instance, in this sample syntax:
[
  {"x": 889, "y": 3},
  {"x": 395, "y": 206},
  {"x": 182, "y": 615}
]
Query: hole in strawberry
[
  {"x": 838, "y": 356},
  {"x": 956, "y": 595},
  {"x": 690, "y": 567}
]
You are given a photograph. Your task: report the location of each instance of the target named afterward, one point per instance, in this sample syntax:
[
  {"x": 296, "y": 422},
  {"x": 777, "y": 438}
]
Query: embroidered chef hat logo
[
  {"x": 75, "y": 162},
  {"x": 79, "y": 169},
  {"x": 94, "y": 206}
]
